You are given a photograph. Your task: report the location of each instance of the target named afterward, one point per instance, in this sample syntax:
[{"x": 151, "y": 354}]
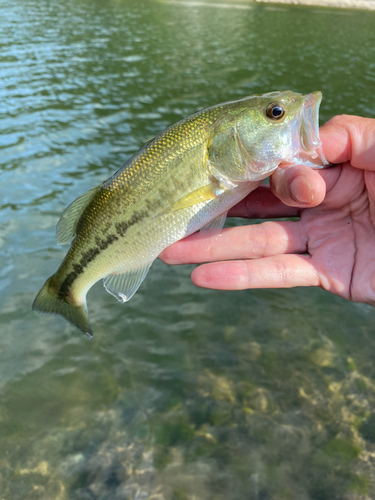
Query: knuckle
[
  {"x": 282, "y": 272},
  {"x": 264, "y": 240},
  {"x": 337, "y": 119},
  {"x": 257, "y": 240}
]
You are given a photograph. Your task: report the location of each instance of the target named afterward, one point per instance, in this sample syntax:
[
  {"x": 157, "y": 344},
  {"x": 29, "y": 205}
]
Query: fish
[{"x": 183, "y": 180}]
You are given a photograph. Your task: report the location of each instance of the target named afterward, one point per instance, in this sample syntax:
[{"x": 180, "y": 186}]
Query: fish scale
[{"x": 182, "y": 180}]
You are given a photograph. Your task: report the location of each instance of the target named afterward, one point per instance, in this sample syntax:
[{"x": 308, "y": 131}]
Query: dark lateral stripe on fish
[
  {"x": 86, "y": 258},
  {"x": 153, "y": 205},
  {"x": 92, "y": 253},
  {"x": 122, "y": 227}
]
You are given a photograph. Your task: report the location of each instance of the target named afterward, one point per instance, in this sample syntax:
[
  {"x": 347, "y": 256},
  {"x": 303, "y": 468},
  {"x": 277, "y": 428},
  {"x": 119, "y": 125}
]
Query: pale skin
[{"x": 331, "y": 246}]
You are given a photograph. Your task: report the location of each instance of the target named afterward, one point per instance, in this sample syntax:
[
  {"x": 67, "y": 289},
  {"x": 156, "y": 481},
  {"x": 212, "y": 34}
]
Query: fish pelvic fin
[{"x": 48, "y": 302}]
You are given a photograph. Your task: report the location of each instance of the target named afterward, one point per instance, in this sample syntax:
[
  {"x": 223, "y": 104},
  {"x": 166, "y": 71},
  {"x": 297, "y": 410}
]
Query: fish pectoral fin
[
  {"x": 216, "y": 225},
  {"x": 205, "y": 193},
  {"x": 67, "y": 225},
  {"x": 124, "y": 285}
]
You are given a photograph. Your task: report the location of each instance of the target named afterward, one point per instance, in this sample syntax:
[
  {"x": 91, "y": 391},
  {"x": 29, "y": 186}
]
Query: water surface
[{"x": 183, "y": 393}]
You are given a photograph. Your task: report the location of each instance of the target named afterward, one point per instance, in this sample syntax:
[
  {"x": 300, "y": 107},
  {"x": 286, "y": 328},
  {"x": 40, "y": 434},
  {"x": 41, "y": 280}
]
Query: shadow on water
[{"x": 183, "y": 393}]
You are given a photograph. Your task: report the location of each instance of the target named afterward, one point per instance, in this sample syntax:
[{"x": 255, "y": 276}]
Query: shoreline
[
  {"x": 243, "y": 4},
  {"x": 343, "y": 4}
]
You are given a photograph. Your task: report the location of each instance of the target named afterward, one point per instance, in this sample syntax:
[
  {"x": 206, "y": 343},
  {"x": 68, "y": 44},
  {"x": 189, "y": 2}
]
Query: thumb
[
  {"x": 349, "y": 138},
  {"x": 298, "y": 186}
]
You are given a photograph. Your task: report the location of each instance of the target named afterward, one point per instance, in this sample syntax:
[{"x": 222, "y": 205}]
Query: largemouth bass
[{"x": 184, "y": 179}]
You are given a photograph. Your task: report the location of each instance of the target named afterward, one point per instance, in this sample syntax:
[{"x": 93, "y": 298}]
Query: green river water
[{"x": 183, "y": 393}]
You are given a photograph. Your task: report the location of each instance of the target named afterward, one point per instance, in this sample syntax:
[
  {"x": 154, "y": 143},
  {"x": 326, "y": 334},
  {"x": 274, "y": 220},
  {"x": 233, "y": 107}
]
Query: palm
[{"x": 340, "y": 236}]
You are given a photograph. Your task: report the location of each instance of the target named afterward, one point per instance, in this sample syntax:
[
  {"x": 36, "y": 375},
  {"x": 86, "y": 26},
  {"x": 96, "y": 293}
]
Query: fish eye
[{"x": 275, "y": 111}]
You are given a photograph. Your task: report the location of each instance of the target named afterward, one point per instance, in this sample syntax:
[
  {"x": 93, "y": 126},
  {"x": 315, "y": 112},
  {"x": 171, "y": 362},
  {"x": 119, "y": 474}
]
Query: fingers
[
  {"x": 246, "y": 242},
  {"x": 262, "y": 204},
  {"x": 350, "y": 138},
  {"x": 282, "y": 271},
  {"x": 291, "y": 187},
  {"x": 298, "y": 185}
]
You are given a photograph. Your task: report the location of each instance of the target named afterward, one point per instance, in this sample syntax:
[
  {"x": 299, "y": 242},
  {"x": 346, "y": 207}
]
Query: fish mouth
[
  {"x": 310, "y": 123},
  {"x": 311, "y": 153}
]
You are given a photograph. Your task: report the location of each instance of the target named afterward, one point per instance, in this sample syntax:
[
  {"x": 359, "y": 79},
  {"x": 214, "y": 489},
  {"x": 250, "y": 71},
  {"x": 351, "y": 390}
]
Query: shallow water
[{"x": 183, "y": 393}]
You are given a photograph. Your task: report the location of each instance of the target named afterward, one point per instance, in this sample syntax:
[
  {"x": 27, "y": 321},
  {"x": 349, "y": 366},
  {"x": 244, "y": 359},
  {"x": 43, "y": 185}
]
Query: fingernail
[{"x": 300, "y": 190}]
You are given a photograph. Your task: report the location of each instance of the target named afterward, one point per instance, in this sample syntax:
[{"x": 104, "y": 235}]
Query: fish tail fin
[{"x": 48, "y": 302}]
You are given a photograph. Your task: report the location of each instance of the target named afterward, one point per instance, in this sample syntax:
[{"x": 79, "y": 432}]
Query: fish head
[{"x": 278, "y": 127}]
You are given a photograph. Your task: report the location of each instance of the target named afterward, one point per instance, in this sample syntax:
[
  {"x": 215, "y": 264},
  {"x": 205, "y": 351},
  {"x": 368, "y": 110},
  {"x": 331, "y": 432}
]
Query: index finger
[{"x": 350, "y": 138}]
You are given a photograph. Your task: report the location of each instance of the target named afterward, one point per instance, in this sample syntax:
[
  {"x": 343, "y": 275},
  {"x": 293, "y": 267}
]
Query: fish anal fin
[
  {"x": 66, "y": 227},
  {"x": 124, "y": 285}
]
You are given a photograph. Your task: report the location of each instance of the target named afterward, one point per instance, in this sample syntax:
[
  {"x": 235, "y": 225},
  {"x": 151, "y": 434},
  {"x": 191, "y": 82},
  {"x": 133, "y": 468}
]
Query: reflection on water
[{"x": 183, "y": 393}]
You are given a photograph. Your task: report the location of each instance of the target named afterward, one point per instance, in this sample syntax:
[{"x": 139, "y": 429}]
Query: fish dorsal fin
[
  {"x": 216, "y": 225},
  {"x": 66, "y": 227},
  {"x": 149, "y": 141},
  {"x": 124, "y": 285}
]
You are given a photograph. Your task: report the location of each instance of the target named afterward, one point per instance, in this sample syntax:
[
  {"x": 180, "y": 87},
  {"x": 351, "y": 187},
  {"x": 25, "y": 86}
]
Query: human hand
[{"x": 332, "y": 244}]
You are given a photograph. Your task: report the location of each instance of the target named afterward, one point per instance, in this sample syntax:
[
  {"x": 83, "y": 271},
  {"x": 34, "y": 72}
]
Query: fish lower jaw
[{"x": 314, "y": 159}]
